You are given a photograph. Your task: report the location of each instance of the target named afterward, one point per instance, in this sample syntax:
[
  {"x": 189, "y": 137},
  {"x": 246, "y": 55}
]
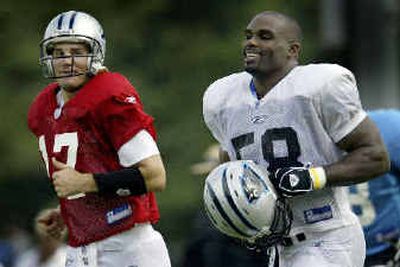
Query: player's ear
[{"x": 294, "y": 49}]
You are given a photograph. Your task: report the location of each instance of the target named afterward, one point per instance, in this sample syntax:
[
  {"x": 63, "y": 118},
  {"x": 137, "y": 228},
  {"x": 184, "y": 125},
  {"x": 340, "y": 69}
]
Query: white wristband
[{"x": 318, "y": 177}]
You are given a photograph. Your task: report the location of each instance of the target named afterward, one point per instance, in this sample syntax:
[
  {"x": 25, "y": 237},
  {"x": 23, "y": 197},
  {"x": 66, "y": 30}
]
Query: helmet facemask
[
  {"x": 94, "y": 59},
  {"x": 279, "y": 228}
]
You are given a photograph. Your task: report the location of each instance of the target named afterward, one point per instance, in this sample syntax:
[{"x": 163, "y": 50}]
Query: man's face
[
  {"x": 70, "y": 59},
  {"x": 266, "y": 48}
]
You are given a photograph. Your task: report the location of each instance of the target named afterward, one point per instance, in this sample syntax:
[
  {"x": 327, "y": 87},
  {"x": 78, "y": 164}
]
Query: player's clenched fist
[
  {"x": 293, "y": 181},
  {"x": 69, "y": 182},
  {"x": 49, "y": 223}
]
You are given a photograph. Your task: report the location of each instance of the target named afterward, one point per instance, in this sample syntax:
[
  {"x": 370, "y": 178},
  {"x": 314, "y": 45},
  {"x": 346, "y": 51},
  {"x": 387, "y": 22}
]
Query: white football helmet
[
  {"x": 241, "y": 202},
  {"x": 78, "y": 27}
]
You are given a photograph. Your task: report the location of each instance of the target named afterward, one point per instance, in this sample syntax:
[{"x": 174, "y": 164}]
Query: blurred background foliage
[{"x": 171, "y": 50}]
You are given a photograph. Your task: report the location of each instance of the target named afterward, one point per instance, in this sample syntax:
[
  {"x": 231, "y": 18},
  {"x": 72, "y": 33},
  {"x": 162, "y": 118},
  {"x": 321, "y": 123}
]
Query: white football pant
[
  {"x": 141, "y": 246},
  {"x": 342, "y": 247}
]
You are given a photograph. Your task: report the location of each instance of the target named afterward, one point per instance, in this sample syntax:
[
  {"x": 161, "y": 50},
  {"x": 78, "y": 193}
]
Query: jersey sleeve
[
  {"x": 122, "y": 117},
  {"x": 340, "y": 105},
  {"x": 140, "y": 147},
  {"x": 40, "y": 109},
  {"x": 393, "y": 148},
  {"x": 33, "y": 118},
  {"x": 385, "y": 119},
  {"x": 212, "y": 116}
]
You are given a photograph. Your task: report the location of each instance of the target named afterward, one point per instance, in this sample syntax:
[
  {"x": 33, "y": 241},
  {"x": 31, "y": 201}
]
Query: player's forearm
[
  {"x": 153, "y": 172},
  {"x": 223, "y": 156},
  {"x": 358, "y": 166},
  {"x": 147, "y": 176},
  {"x": 89, "y": 184}
]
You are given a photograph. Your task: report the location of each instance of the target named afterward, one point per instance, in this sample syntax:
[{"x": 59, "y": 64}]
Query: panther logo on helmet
[
  {"x": 253, "y": 186},
  {"x": 74, "y": 27},
  {"x": 241, "y": 202}
]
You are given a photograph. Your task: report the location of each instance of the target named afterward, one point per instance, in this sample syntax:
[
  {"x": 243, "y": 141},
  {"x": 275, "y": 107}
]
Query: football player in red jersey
[{"x": 99, "y": 149}]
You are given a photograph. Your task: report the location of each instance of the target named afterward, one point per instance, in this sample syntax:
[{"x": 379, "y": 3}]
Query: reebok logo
[
  {"x": 130, "y": 99},
  {"x": 293, "y": 180}
]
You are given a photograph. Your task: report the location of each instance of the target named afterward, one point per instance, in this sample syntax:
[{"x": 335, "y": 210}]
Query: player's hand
[
  {"x": 49, "y": 224},
  {"x": 293, "y": 181},
  {"x": 69, "y": 182}
]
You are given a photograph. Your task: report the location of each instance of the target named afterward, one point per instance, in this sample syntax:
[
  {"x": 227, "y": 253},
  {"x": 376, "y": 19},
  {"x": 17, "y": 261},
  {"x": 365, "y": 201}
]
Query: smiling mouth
[
  {"x": 251, "y": 57},
  {"x": 251, "y": 53}
]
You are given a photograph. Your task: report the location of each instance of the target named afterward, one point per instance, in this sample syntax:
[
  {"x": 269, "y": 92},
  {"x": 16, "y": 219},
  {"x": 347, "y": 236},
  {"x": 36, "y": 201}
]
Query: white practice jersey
[{"x": 297, "y": 123}]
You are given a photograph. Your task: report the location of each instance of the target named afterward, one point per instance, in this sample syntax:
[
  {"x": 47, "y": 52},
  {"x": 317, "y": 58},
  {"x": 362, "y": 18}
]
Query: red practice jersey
[{"x": 87, "y": 134}]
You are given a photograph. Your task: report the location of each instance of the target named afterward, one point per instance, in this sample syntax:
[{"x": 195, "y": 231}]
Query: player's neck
[
  {"x": 69, "y": 92},
  {"x": 67, "y": 95},
  {"x": 264, "y": 83}
]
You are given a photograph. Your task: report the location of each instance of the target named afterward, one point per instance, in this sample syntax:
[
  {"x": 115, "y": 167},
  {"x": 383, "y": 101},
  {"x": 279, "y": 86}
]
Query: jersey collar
[{"x": 253, "y": 88}]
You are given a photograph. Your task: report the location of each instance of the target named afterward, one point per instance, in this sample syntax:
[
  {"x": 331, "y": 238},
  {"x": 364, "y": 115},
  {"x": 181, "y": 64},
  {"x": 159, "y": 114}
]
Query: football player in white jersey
[{"x": 306, "y": 126}]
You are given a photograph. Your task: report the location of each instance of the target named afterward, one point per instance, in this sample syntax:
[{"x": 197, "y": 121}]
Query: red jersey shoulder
[
  {"x": 40, "y": 107},
  {"x": 121, "y": 112},
  {"x": 105, "y": 87}
]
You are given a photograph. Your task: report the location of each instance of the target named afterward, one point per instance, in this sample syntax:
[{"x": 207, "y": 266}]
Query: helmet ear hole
[
  {"x": 241, "y": 202},
  {"x": 50, "y": 49},
  {"x": 89, "y": 47}
]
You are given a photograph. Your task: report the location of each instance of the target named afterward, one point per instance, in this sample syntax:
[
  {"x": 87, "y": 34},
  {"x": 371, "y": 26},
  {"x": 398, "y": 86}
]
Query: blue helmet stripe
[
  {"x": 72, "y": 20},
  {"x": 60, "y": 21},
  {"x": 233, "y": 205},
  {"x": 223, "y": 213}
]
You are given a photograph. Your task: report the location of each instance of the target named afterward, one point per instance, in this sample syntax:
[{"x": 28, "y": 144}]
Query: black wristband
[{"x": 125, "y": 182}]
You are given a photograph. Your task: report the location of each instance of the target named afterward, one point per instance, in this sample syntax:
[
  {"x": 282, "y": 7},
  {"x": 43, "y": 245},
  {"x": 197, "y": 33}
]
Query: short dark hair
[{"x": 292, "y": 24}]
